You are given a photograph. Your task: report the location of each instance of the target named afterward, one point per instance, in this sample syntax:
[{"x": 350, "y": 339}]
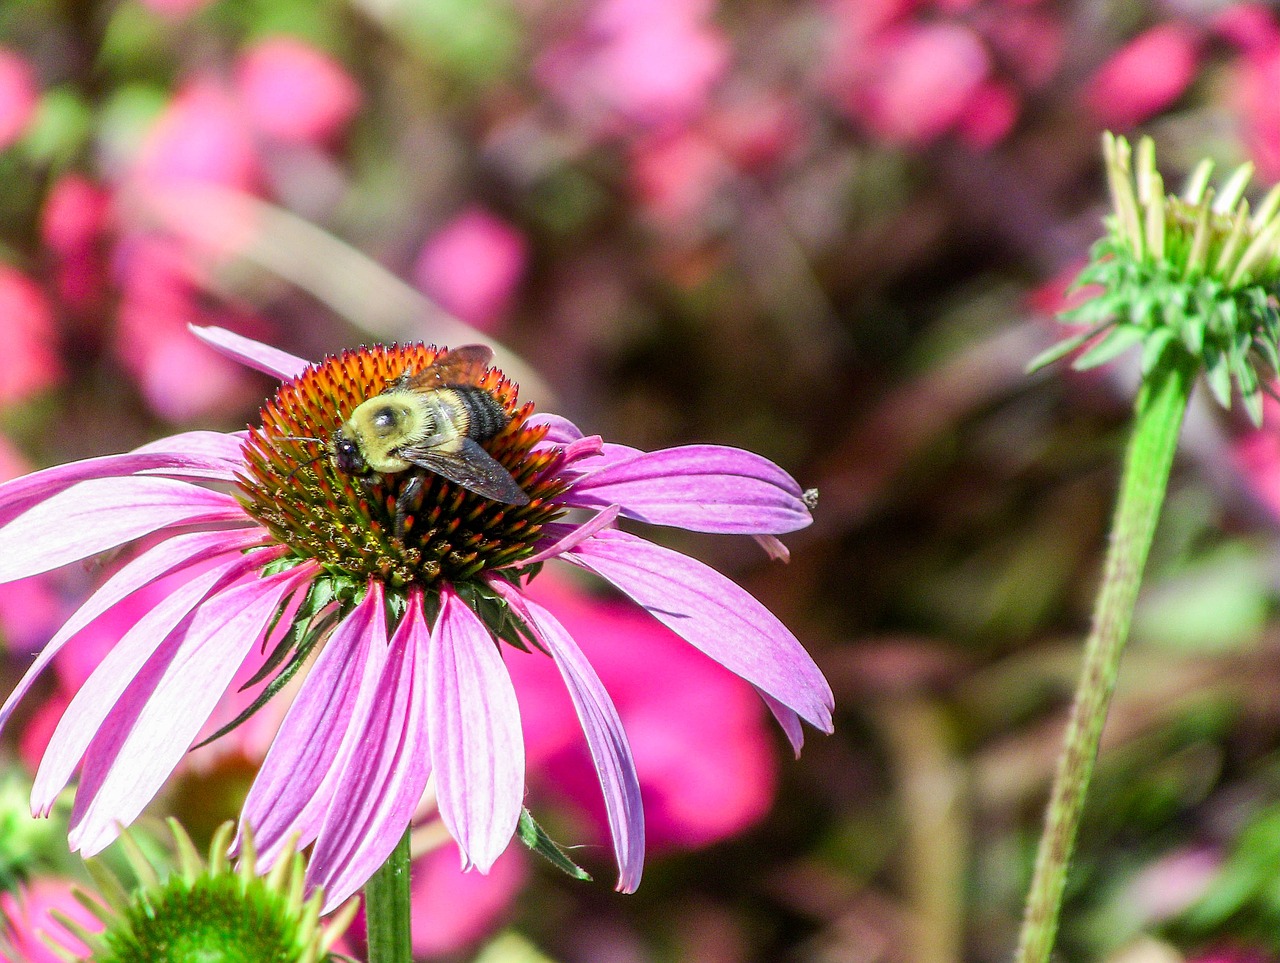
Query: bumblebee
[{"x": 429, "y": 421}]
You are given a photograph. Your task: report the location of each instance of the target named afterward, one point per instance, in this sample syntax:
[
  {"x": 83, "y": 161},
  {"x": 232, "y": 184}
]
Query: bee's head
[{"x": 346, "y": 454}]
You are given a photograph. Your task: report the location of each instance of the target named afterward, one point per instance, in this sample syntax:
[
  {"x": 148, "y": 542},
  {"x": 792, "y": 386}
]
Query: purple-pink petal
[
  {"x": 209, "y": 455},
  {"x": 560, "y": 430},
  {"x": 575, "y": 536},
  {"x": 703, "y": 488},
  {"x": 104, "y": 687},
  {"x": 160, "y": 722},
  {"x": 787, "y": 719},
  {"x": 101, "y": 514},
  {"x": 386, "y": 770},
  {"x": 167, "y": 557},
  {"x": 713, "y": 614},
  {"x": 606, "y": 740},
  {"x": 252, "y": 354},
  {"x": 295, "y": 785},
  {"x": 19, "y": 494},
  {"x": 473, "y": 721}
]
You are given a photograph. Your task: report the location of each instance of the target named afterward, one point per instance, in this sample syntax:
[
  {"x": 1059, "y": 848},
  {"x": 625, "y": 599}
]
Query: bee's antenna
[
  {"x": 318, "y": 441},
  {"x": 306, "y": 464}
]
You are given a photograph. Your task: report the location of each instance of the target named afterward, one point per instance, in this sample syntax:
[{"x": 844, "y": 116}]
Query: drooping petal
[
  {"x": 787, "y": 719},
  {"x": 104, "y": 687},
  {"x": 560, "y": 430},
  {"x": 297, "y": 780},
  {"x": 213, "y": 455},
  {"x": 473, "y": 722},
  {"x": 713, "y": 614},
  {"x": 19, "y": 494},
  {"x": 152, "y": 725},
  {"x": 574, "y": 536},
  {"x": 101, "y": 514},
  {"x": 386, "y": 765},
  {"x": 605, "y": 738},
  {"x": 169, "y": 556},
  {"x": 773, "y": 547},
  {"x": 703, "y": 488},
  {"x": 252, "y": 354}
]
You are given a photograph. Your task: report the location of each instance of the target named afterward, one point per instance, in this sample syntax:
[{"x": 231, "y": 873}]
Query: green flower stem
[
  {"x": 386, "y": 908},
  {"x": 1161, "y": 405}
]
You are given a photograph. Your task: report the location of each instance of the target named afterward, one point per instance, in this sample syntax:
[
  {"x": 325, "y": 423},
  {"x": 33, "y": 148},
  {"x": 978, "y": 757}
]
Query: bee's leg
[{"x": 412, "y": 488}]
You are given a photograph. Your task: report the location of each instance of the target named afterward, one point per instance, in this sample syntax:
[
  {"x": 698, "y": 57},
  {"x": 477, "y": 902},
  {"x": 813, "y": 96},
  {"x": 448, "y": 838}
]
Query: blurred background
[{"x": 830, "y": 231}]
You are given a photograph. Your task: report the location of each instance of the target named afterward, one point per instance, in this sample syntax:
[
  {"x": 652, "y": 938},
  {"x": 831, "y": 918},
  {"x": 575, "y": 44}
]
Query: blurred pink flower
[
  {"x": 30, "y": 609},
  {"x": 18, "y": 96},
  {"x": 650, "y": 63},
  {"x": 758, "y": 131},
  {"x": 1251, "y": 27},
  {"x": 202, "y": 135},
  {"x": 912, "y": 83},
  {"x": 1257, "y": 78},
  {"x": 1231, "y": 954},
  {"x": 1030, "y": 44},
  {"x": 27, "y": 923},
  {"x": 176, "y": 9},
  {"x": 472, "y": 267},
  {"x": 706, "y": 762},
  {"x": 1256, "y": 456},
  {"x": 180, "y": 377},
  {"x": 294, "y": 92},
  {"x": 991, "y": 114},
  {"x": 28, "y": 339},
  {"x": 1175, "y": 881},
  {"x": 1145, "y": 76},
  {"x": 452, "y": 909},
  {"x": 74, "y": 227},
  {"x": 674, "y": 178}
]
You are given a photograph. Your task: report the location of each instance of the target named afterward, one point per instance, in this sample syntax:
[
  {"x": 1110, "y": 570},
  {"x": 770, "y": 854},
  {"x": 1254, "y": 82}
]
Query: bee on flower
[{"x": 381, "y": 524}]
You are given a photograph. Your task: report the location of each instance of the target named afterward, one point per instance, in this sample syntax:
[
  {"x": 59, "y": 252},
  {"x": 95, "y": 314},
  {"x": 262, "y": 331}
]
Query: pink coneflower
[{"x": 407, "y": 615}]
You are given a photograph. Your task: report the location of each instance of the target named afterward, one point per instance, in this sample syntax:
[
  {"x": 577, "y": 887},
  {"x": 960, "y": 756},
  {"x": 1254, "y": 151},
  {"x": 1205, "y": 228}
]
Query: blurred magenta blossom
[
  {"x": 1232, "y": 954},
  {"x": 910, "y": 73},
  {"x": 704, "y": 756},
  {"x": 1171, "y": 884},
  {"x": 472, "y": 266},
  {"x": 28, "y": 338},
  {"x": 295, "y": 93},
  {"x": 650, "y": 64},
  {"x": 1145, "y": 76},
  {"x": 26, "y": 922},
  {"x": 19, "y": 94}
]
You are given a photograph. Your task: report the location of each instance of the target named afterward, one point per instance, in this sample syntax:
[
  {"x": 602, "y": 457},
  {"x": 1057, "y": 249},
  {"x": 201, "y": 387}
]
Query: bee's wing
[
  {"x": 471, "y": 467},
  {"x": 462, "y": 366}
]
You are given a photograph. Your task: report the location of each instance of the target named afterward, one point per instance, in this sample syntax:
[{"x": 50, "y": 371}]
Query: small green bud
[{"x": 1194, "y": 274}]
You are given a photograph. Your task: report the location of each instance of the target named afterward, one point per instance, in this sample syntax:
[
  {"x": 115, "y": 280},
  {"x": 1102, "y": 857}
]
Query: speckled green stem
[
  {"x": 386, "y": 908},
  {"x": 1162, "y": 402}
]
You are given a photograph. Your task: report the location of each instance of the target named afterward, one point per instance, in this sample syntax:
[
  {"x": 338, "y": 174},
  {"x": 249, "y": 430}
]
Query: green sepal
[
  {"x": 536, "y": 838},
  {"x": 1154, "y": 347},
  {"x": 1119, "y": 340},
  {"x": 495, "y": 612},
  {"x": 320, "y": 593},
  {"x": 1217, "y": 372},
  {"x": 303, "y": 649},
  {"x": 1059, "y": 351}
]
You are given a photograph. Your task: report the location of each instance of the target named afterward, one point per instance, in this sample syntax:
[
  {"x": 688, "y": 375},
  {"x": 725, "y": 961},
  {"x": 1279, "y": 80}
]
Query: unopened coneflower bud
[{"x": 1192, "y": 274}]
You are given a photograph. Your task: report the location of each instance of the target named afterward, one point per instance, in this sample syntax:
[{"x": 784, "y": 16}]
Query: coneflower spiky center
[{"x": 348, "y": 523}]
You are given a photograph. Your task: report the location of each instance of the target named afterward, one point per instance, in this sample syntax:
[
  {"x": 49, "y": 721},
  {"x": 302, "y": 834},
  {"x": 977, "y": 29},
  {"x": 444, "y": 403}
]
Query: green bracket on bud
[{"x": 1194, "y": 274}]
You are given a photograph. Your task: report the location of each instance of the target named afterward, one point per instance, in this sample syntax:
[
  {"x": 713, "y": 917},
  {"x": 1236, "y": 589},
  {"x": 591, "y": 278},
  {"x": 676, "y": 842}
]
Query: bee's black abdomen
[{"x": 485, "y": 416}]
